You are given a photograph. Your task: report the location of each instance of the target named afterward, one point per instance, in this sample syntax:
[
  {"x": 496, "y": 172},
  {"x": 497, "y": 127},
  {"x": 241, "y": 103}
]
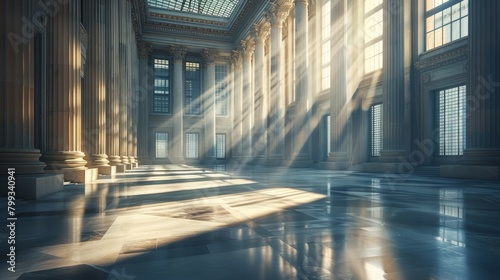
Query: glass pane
[
  {"x": 438, "y": 20},
  {"x": 465, "y": 26},
  {"x": 429, "y": 5},
  {"x": 455, "y": 12},
  {"x": 438, "y": 36},
  {"x": 446, "y": 34},
  {"x": 464, "y": 8},
  {"x": 430, "y": 40},
  {"x": 430, "y": 24},
  {"x": 447, "y": 16},
  {"x": 455, "y": 30}
]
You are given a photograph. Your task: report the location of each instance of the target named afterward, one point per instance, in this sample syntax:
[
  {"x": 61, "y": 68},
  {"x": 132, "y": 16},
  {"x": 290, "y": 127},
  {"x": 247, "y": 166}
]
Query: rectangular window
[
  {"x": 193, "y": 88},
  {"x": 221, "y": 90},
  {"x": 220, "y": 146},
  {"x": 374, "y": 30},
  {"x": 191, "y": 145},
  {"x": 328, "y": 135},
  {"x": 161, "y": 144},
  {"x": 325, "y": 45},
  {"x": 377, "y": 129},
  {"x": 451, "y": 121},
  {"x": 161, "y": 99},
  {"x": 445, "y": 21}
]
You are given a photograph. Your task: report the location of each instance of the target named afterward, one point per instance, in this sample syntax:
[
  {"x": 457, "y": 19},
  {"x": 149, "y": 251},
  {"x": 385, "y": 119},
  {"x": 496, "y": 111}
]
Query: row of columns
[{"x": 85, "y": 124}]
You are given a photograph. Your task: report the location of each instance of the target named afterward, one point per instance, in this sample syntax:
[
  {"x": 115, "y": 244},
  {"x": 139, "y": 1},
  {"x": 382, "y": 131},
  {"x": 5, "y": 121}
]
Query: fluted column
[
  {"x": 339, "y": 156},
  {"x": 145, "y": 50},
  {"x": 248, "y": 47},
  {"x": 393, "y": 79},
  {"x": 112, "y": 82},
  {"x": 64, "y": 91},
  {"x": 209, "y": 103},
  {"x": 94, "y": 87},
  {"x": 260, "y": 33},
  {"x": 130, "y": 39},
  {"x": 302, "y": 119},
  {"x": 278, "y": 12},
  {"x": 178, "y": 53},
  {"x": 483, "y": 100},
  {"x": 17, "y": 91},
  {"x": 123, "y": 99},
  {"x": 236, "y": 63}
]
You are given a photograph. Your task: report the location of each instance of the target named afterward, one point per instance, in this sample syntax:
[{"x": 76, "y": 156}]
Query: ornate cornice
[
  {"x": 188, "y": 30},
  {"x": 189, "y": 19},
  {"x": 444, "y": 59},
  {"x": 178, "y": 52},
  {"x": 209, "y": 55},
  {"x": 144, "y": 49}
]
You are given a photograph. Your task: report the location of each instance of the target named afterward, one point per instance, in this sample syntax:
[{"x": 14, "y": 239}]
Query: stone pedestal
[{"x": 34, "y": 187}]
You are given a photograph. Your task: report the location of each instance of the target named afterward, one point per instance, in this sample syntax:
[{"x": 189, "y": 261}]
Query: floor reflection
[{"x": 250, "y": 222}]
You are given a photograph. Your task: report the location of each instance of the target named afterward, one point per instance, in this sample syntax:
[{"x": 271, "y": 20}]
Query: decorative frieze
[{"x": 444, "y": 59}]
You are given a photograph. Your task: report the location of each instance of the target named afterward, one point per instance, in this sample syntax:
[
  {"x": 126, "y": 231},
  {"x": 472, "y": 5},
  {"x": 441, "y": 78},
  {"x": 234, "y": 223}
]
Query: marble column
[
  {"x": 124, "y": 89},
  {"x": 260, "y": 33},
  {"x": 64, "y": 116},
  {"x": 481, "y": 158},
  {"x": 236, "y": 64},
  {"x": 277, "y": 13},
  {"x": 302, "y": 119},
  {"x": 130, "y": 39},
  {"x": 112, "y": 83},
  {"x": 394, "y": 146},
  {"x": 146, "y": 77},
  {"x": 17, "y": 95},
  {"x": 178, "y": 53},
  {"x": 209, "y": 103},
  {"x": 339, "y": 110},
  {"x": 94, "y": 89},
  {"x": 248, "y": 47}
]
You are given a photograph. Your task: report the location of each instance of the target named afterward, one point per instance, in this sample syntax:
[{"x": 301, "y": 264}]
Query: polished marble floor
[{"x": 233, "y": 222}]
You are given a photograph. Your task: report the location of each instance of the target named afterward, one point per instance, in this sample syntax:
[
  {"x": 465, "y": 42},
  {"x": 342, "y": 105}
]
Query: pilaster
[
  {"x": 178, "y": 53},
  {"x": 209, "y": 103}
]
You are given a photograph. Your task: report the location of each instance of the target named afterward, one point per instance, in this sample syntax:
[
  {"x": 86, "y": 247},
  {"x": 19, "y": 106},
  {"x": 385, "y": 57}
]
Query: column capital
[
  {"x": 209, "y": 55},
  {"x": 278, "y": 11},
  {"x": 247, "y": 47},
  {"x": 236, "y": 59},
  {"x": 144, "y": 49},
  {"x": 178, "y": 52},
  {"x": 260, "y": 32}
]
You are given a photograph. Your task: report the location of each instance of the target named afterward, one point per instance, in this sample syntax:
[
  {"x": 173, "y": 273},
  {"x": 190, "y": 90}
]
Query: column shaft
[
  {"x": 64, "y": 90},
  {"x": 94, "y": 93},
  {"x": 123, "y": 99},
  {"x": 261, "y": 31},
  {"x": 145, "y": 50},
  {"x": 393, "y": 134},
  {"x": 112, "y": 82},
  {"x": 276, "y": 126},
  {"x": 209, "y": 104},
  {"x": 302, "y": 120},
  {"x": 237, "y": 107},
  {"x": 338, "y": 90},
  {"x": 483, "y": 101},
  {"x": 247, "y": 106},
  {"x": 17, "y": 90},
  {"x": 178, "y": 54}
]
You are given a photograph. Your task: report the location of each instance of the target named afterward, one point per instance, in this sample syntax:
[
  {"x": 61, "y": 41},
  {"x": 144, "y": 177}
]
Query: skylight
[{"x": 218, "y": 8}]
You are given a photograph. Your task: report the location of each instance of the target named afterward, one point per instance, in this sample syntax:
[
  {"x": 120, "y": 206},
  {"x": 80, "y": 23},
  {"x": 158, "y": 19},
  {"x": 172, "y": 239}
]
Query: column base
[
  {"x": 274, "y": 161},
  {"x": 107, "y": 170},
  {"x": 121, "y": 168},
  {"x": 78, "y": 176},
  {"x": 298, "y": 161},
  {"x": 35, "y": 186},
  {"x": 481, "y": 172},
  {"x": 333, "y": 165}
]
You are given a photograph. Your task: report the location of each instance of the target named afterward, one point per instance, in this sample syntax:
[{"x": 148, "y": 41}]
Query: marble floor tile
[{"x": 251, "y": 222}]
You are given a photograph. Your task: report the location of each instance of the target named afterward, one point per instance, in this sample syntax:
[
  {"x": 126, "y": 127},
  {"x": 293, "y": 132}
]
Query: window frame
[
  {"x": 168, "y": 78},
  {"x": 375, "y": 149},
  {"x": 221, "y": 91},
  {"x": 373, "y": 41},
  {"x": 187, "y": 145},
  {"x": 461, "y": 129},
  {"x": 166, "y": 144},
  {"x": 223, "y": 146},
  {"x": 439, "y": 9}
]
